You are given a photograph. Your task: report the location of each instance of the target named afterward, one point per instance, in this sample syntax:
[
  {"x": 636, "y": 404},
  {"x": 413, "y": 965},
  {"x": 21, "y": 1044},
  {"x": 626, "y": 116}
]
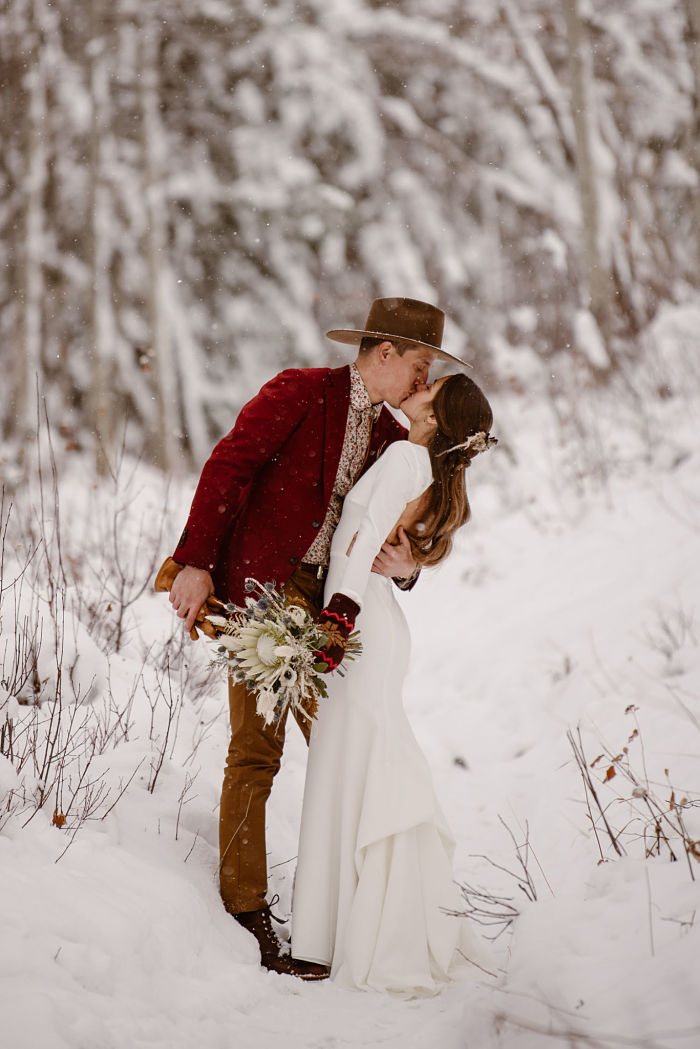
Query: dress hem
[{"x": 310, "y": 958}]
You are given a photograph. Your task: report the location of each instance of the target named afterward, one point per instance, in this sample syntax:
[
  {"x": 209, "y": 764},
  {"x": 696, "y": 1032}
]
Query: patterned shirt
[{"x": 358, "y": 429}]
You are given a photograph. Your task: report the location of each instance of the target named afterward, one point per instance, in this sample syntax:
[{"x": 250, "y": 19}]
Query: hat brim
[{"x": 353, "y": 337}]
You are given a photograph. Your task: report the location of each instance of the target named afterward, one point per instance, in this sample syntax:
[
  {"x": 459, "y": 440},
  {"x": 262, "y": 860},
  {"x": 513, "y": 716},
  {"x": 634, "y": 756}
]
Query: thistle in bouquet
[{"x": 269, "y": 645}]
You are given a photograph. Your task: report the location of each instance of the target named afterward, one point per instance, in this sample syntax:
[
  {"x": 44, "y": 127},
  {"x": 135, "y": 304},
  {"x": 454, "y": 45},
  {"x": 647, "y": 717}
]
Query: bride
[{"x": 374, "y": 876}]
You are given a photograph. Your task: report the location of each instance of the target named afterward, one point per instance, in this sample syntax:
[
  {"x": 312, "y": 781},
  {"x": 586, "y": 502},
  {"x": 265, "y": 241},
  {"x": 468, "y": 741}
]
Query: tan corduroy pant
[{"x": 253, "y": 760}]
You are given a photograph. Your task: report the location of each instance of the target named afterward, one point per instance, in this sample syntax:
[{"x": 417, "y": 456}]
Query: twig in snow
[
  {"x": 589, "y": 787},
  {"x": 575, "y": 1037}
]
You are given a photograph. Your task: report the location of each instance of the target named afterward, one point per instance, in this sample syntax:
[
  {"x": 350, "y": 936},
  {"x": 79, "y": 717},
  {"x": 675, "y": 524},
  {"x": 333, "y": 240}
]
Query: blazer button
[
  {"x": 294, "y": 560},
  {"x": 315, "y": 524}
]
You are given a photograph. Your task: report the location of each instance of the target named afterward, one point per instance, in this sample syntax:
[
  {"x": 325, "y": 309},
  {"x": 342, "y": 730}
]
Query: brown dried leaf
[
  {"x": 610, "y": 773},
  {"x": 58, "y": 819}
]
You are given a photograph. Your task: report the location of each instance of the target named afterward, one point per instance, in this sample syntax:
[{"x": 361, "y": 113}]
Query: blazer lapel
[{"x": 337, "y": 400}]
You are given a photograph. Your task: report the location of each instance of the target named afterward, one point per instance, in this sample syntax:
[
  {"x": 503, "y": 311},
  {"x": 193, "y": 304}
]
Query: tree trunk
[
  {"x": 166, "y": 422},
  {"x": 29, "y": 368},
  {"x": 597, "y": 273},
  {"x": 101, "y": 320},
  {"x": 693, "y": 137}
]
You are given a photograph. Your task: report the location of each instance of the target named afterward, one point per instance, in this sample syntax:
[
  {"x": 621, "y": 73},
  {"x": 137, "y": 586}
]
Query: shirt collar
[{"x": 359, "y": 398}]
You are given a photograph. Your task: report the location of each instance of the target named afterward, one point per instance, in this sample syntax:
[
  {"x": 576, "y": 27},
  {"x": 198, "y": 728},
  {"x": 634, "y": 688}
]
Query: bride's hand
[
  {"x": 395, "y": 562},
  {"x": 337, "y": 621}
]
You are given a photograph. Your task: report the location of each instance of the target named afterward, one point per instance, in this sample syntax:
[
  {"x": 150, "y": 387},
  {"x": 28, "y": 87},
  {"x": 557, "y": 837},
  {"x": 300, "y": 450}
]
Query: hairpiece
[{"x": 480, "y": 442}]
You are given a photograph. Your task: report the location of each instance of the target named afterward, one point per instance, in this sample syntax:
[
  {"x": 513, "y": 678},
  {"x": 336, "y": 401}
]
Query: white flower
[
  {"x": 297, "y": 614},
  {"x": 266, "y": 703},
  {"x": 231, "y": 643},
  {"x": 219, "y": 621},
  {"x": 285, "y": 651},
  {"x": 266, "y": 649},
  {"x": 288, "y": 677}
]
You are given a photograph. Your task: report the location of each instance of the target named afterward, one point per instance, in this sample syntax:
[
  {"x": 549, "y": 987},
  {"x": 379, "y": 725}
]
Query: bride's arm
[{"x": 394, "y": 481}]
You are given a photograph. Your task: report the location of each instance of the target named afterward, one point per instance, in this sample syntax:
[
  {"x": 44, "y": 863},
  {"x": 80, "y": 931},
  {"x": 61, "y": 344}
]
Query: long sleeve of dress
[{"x": 372, "y": 509}]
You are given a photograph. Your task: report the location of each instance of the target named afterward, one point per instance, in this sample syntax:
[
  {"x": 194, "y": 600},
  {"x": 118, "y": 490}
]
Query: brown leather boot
[{"x": 272, "y": 955}]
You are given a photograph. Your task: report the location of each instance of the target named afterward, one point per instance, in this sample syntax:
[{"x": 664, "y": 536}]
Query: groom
[{"x": 267, "y": 504}]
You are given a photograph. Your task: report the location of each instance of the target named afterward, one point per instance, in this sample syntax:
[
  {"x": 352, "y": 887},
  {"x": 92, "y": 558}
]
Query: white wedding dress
[{"x": 374, "y": 874}]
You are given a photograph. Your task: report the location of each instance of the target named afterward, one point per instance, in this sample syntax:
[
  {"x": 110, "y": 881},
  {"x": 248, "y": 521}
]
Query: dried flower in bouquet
[{"x": 269, "y": 645}]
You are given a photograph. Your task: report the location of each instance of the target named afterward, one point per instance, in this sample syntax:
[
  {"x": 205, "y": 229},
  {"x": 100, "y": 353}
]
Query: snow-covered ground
[{"x": 560, "y": 610}]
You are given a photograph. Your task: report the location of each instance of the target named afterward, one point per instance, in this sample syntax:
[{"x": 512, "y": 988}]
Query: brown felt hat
[{"x": 401, "y": 320}]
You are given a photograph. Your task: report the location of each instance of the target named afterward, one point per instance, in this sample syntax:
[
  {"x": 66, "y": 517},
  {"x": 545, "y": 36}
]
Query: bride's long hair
[{"x": 461, "y": 410}]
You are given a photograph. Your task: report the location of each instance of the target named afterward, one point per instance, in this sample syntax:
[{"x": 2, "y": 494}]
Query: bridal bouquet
[{"x": 269, "y": 645}]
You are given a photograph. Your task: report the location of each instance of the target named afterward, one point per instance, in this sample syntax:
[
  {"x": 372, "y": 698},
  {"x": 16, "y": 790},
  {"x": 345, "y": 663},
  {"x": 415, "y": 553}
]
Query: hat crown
[{"x": 407, "y": 319}]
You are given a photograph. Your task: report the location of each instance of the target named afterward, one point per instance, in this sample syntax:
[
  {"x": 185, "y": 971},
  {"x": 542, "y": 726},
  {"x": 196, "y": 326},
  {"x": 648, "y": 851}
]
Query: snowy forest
[{"x": 191, "y": 194}]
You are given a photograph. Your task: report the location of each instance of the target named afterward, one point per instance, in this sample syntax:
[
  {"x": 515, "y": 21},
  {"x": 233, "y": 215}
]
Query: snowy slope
[{"x": 557, "y": 610}]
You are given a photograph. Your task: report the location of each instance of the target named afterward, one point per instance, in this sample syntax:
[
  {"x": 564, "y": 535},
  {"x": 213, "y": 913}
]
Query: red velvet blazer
[{"x": 265, "y": 489}]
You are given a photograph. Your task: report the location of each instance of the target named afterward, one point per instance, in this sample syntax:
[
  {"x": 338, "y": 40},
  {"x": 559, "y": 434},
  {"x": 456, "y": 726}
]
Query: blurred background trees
[{"x": 192, "y": 191}]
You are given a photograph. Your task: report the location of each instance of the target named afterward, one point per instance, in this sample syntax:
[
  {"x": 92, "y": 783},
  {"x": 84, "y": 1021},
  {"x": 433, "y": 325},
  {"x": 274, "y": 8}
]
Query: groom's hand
[
  {"x": 190, "y": 589},
  {"x": 395, "y": 562}
]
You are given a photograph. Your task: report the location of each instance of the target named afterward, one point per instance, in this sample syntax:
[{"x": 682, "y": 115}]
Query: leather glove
[{"x": 338, "y": 620}]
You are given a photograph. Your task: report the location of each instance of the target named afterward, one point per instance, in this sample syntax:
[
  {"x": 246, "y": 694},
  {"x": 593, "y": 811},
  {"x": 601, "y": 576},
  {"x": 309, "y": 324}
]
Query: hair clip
[{"x": 478, "y": 441}]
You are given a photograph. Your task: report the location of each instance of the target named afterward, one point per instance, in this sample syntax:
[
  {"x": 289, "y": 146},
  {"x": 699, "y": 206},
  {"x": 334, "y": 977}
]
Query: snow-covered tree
[{"x": 191, "y": 192}]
